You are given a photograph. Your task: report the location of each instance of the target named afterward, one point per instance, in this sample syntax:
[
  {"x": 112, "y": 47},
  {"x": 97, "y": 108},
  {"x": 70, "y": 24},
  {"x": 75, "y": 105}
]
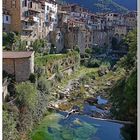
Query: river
[{"x": 76, "y": 127}]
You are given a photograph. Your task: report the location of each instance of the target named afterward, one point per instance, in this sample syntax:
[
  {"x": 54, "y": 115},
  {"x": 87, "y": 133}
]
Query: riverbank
[
  {"x": 91, "y": 93},
  {"x": 86, "y": 87}
]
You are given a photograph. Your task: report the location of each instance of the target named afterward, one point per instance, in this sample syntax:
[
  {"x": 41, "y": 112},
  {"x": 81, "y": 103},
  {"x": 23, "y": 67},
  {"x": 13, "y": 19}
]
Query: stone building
[
  {"x": 26, "y": 18},
  {"x": 51, "y": 18},
  {"x": 19, "y": 64},
  {"x": 73, "y": 8},
  {"x": 120, "y": 31},
  {"x": 131, "y": 20}
]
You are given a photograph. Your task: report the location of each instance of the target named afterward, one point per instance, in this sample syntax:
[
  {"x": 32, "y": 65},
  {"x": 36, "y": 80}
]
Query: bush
[
  {"x": 44, "y": 85},
  {"x": 38, "y": 45},
  {"x": 26, "y": 95},
  {"x": 32, "y": 78},
  {"x": 9, "y": 127},
  {"x": 77, "y": 49},
  {"x": 93, "y": 63},
  {"x": 91, "y": 75},
  {"x": 88, "y": 50},
  {"x": 39, "y": 71}
]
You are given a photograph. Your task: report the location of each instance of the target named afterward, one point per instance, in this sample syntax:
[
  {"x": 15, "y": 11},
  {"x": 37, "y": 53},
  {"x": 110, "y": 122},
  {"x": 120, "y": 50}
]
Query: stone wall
[{"x": 58, "y": 62}]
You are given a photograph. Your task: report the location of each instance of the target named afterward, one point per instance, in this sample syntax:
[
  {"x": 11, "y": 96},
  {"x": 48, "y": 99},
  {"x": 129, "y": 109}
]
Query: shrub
[
  {"x": 93, "y": 63},
  {"x": 39, "y": 71},
  {"x": 38, "y": 45},
  {"x": 32, "y": 78},
  {"x": 44, "y": 85},
  {"x": 88, "y": 50},
  {"x": 77, "y": 49},
  {"x": 84, "y": 79},
  {"x": 9, "y": 127},
  {"x": 91, "y": 75},
  {"x": 26, "y": 94}
]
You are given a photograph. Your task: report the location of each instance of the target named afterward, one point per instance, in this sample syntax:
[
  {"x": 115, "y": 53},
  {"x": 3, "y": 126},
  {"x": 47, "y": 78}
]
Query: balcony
[
  {"x": 28, "y": 28},
  {"x": 34, "y": 9},
  {"x": 33, "y": 19}
]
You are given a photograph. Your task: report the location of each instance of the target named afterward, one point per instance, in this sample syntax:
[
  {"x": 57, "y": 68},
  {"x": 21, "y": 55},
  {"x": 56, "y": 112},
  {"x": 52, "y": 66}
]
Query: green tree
[
  {"x": 10, "y": 40},
  {"x": 129, "y": 61},
  {"x": 38, "y": 45},
  {"x": 124, "y": 98}
]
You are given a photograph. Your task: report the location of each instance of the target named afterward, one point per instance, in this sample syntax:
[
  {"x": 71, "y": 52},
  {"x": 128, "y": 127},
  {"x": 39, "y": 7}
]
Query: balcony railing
[
  {"x": 28, "y": 28},
  {"x": 33, "y": 9},
  {"x": 33, "y": 19}
]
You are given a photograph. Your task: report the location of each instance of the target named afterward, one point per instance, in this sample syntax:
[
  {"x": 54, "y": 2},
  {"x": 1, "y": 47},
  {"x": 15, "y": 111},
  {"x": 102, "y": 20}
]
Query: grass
[{"x": 46, "y": 59}]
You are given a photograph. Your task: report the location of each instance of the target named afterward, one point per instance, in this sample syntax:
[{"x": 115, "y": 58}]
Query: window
[
  {"x": 25, "y": 3},
  {"x": 47, "y": 7},
  {"x": 30, "y": 5},
  {"x": 90, "y": 38},
  {"x": 25, "y": 23},
  {"x": 46, "y": 16},
  {"x": 7, "y": 18},
  {"x": 26, "y": 13}
]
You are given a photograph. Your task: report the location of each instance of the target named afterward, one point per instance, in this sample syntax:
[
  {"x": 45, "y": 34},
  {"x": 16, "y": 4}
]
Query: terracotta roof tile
[{"x": 11, "y": 54}]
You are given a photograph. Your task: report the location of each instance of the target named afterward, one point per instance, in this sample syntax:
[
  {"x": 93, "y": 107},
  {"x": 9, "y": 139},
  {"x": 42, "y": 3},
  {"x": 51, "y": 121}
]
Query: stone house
[
  {"x": 120, "y": 31},
  {"x": 19, "y": 64}
]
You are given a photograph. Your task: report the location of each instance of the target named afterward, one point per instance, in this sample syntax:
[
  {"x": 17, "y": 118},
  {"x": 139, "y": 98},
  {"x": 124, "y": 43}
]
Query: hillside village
[
  {"x": 64, "y": 26},
  {"x": 56, "y": 54}
]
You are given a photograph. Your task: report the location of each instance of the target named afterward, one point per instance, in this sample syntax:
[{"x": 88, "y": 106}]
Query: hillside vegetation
[{"x": 100, "y": 5}]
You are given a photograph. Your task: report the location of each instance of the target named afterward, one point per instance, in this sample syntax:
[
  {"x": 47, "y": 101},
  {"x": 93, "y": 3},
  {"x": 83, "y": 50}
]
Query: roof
[{"x": 12, "y": 54}]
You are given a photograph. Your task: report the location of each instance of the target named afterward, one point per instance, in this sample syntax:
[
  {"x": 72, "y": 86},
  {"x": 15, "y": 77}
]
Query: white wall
[{"x": 48, "y": 8}]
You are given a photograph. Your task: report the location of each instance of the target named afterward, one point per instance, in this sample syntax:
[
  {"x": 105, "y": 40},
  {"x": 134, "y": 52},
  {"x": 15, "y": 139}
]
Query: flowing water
[{"x": 76, "y": 127}]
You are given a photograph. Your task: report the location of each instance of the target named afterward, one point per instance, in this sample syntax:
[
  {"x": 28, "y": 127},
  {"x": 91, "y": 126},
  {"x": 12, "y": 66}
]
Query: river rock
[
  {"x": 108, "y": 83},
  {"x": 56, "y": 105},
  {"x": 91, "y": 100},
  {"x": 86, "y": 86},
  {"x": 100, "y": 106},
  {"x": 61, "y": 96}
]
